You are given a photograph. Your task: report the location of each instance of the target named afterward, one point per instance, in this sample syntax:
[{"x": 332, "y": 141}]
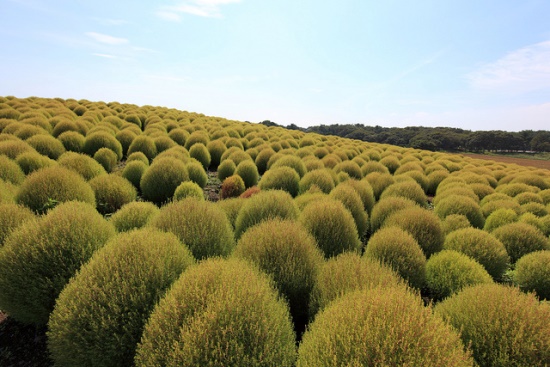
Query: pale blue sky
[{"x": 474, "y": 64}]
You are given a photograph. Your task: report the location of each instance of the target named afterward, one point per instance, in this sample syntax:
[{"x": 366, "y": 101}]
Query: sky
[{"x": 471, "y": 64}]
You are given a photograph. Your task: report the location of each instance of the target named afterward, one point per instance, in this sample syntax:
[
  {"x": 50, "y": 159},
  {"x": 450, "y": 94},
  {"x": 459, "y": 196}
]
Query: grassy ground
[{"x": 540, "y": 160}]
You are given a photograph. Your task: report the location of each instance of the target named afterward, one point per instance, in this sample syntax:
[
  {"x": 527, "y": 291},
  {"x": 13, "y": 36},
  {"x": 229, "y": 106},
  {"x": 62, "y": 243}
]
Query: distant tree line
[{"x": 437, "y": 138}]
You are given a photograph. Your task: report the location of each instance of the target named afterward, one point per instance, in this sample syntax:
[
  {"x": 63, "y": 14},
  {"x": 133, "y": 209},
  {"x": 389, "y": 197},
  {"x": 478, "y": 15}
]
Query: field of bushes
[{"x": 147, "y": 236}]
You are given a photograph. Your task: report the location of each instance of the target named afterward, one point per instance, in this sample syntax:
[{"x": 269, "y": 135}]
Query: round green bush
[
  {"x": 434, "y": 179},
  {"x": 46, "y": 187},
  {"x": 482, "y": 247},
  {"x": 216, "y": 148},
  {"x": 351, "y": 168},
  {"x": 458, "y": 204},
  {"x": 133, "y": 215},
  {"x": 11, "y": 217},
  {"x": 281, "y": 178},
  {"x": 200, "y": 224},
  {"x": 364, "y": 189},
  {"x": 72, "y": 141},
  {"x": 231, "y": 207},
  {"x": 107, "y": 158},
  {"x": 454, "y": 222},
  {"x": 33, "y": 161},
  {"x": 133, "y": 171},
  {"x": 196, "y": 172},
  {"x": 456, "y": 190},
  {"x": 197, "y": 137},
  {"x": 125, "y": 137},
  {"x": 10, "y": 171},
  {"x": 491, "y": 206},
  {"x": 503, "y": 326},
  {"x": 265, "y": 205},
  {"x": 232, "y": 187},
  {"x": 101, "y": 139},
  {"x": 528, "y": 197},
  {"x": 112, "y": 192},
  {"x": 348, "y": 272},
  {"x": 391, "y": 162},
  {"x": 536, "y": 208},
  {"x": 422, "y": 224},
  {"x": 519, "y": 239},
  {"x": 386, "y": 207},
  {"x": 287, "y": 252},
  {"x": 7, "y": 192},
  {"x": 332, "y": 225},
  {"x": 188, "y": 189},
  {"x": 532, "y": 273},
  {"x": 380, "y": 327},
  {"x": 179, "y": 135},
  {"x": 201, "y": 154},
  {"x": 138, "y": 156},
  {"x": 100, "y": 315},
  {"x": 407, "y": 189},
  {"x": 225, "y": 169},
  {"x": 84, "y": 165},
  {"x": 293, "y": 162},
  {"x": 40, "y": 257},
  {"x": 47, "y": 145},
  {"x": 352, "y": 201},
  {"x": 160, "y": 180},
  {"x": 513, "y": 190},
  {"x": 499, "y": 218},
  {"x": 400, "y": 251},
  {"x": 379, "y": 182},
  {"x": 164, "y": 143},
  {"x": 13, "y": 148},
  {"x": 448, "y": 271},
  {"x": 374, "y": 167},
  {"x": 248, "y": 171},
  {"x": 144, "y": 144},
  {"x": 321, "y": 178},
  {"x": 219, "y": 313},
  {"x": 263, "y": 158}
]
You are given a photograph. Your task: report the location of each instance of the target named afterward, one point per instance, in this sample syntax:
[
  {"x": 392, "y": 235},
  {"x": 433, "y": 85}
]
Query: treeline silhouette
[{"x": 437, "y": 138}]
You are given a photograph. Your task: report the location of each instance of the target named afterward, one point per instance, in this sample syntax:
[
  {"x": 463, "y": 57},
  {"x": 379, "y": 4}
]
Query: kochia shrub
[
  {"x": 291, "y": 161},
  {"x": 134, "y": 215},
  {"x": 72, "y": 141},
  {"x": 82, "y": 164},
  {"x": 33, "y": 161},
  {"x": 346, "y": 273},
  {"x": 482, "y": 247},
  {"x": 199, "y": 224},
  {"x": 107, "y": 158},
  {"x": 281, "y": 178},
  {"x": 232, "y": 187},
  {"x": 364, "y": 189},
  {"x": 163, "y": 143},
  {"x": 332, "y": 225},
  {"x": 160, "y": 180},
  {"x": 216, "y": 148},
  {"x": 188, "y": 189},
  {"x": 351, "y": 168},
  {"x": 196, "y": 172},
  {"x": 489, "y": 207},
  {"x": 13, "y": 148},
  {"x": 46, "y": 187},
  {"x": 226, "y": 169},
  {"x": 400, "y": 251},
  {"x": 40, "y": 257},
  {"x": 352, "y": 201},
  {"x": 266, "y": 205},
  {"x": 100, "y": 315},
  {"x": 231, "y": 208},
  {"x": 133, "y": 171},
  {"x": 248, "y": 171},
  {"x": 322, "y": 178},
  {"x": 532, "y": 273},
  {"x": 386, "y": 207},
  {"x": 10, "y": 171},
  {"x": 11, "y": 217},
  {"x": 519, "y": 239},
  {"x": 201, "y": 154},
  {"x": 101, "y": 139},
  {"x": 503, "y": 326},
  {"x": 125, "y": 137},
  {"x": 455, "y": 222},
  {"x": 458, "y": 204},
  {"x": 144, "y": 144},
  {"x": 112, "y": 192},
  {"x": 47, "y": 145},
  {"x": 263, "y": 158},
  {"x": 536, "y": 208},
  {"x": 448, "y": 271},
  {"x": 138, "y": 156},
  {"x": 286, "y": 251},
  {"x": 219, "y": 313},
  {"x": 408, "y": 189},
  {"x": 380, "y": 327},
  {"x": 422, "y": 224},
  {"x": 499, "y": 218}
]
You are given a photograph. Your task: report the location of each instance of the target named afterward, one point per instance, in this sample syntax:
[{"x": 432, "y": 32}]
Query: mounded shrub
[
  {"x": 199, "y": 224},
  {"x": 291, "y": 161},
  {"x": 112, "y": 192},
  {"x": 379, "y": 182},
  {"x": 7, "y": 192},
  {"x": 364, "y": 189},
  {"x": 47, "y": 145},
  {"x": 528, "y": 197},
  {"x": 400, "y": 251},
  {"x": 163, "y": 143},
  {"x": 144, "y": 144},
  {"x": 197, "y": 137},
  {"x": 287, "y": 252},
  {"x": 225, "y": 169},
  {"x": 232, "y": 187},
  {"x": 100, "y": 315},
  {"x": 47, "y": 187},
  {"x": 422, "y": 224},
  {"x": 248, "y": 171},
  {"x": 107, "y": 158},
  {"x": 448, "y": 271},
  {"x": 40, "y": 257},
  {"x": 332, "y": 225},
  {"x": 188, "y": 189},
  {"x": 531, "y": 179},
  {"x": 380, "y": 327},
  {"x": 346, "y": 273},
  {"x": 72, "y": 141},
  {"x": 125, "y": 137},
  {"x": 374, "y": 166},
  {"x": 160, "y": 180},
  {"x": 179, "y": 135},
  {"x": 13, "y": 148},
  {"x": 138, "y": 156},
  {"x": 434, "y": 179},
  {"x": 263, "y": 158},
  {"x": 351, "y": 168},
  {"x": 514, "y": 189},
  {"x": 499, "y": 218},
  {"x": 352, "y": 201},
  {"x": 532, "y": 273},
  {"x": 391, "y": 162},
  {"x": 454, "y": 222},
  {"x": 133, "y": 171},
  {"x": 482, "y": 246},
  {"x": 458, "y": 204},
  {"x": 84, "y": 165},
  {"x": 216, "y": 148},
  {"x": 231, "y": 207},
  {"x": 536, "y": 208},
  {"x": 33, "y": 161},
  {"x": 10, "y": 171},
  {"x": 196, "y": 172},
  {"x": 503, "y": 326},
  {"x": 101, "y": 139},
  {"x": 11, "y": 217},
  {"x": 134, "y": 215},
  {"x": 386, "y": 207},
  {"x": 407, "y": 189},
  {"x": 519, "y": 239},
  {"x": 281, "y": 178},
  {"x": 219, "y": 313},
  {"x": 488, "y": 208},
  {"x": 319, "y": 177},
  {"x": 201, "y": 154}
]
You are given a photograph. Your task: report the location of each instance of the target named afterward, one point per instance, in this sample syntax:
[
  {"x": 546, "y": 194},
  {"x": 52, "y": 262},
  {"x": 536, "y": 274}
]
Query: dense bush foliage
[
  {"x": 219, "y": 313},
  {"x": 112, "y": 192},
  {"x": 159, "y": 182},
  {"x": 82, "y": 164},
  {"x": 519, "y": 239},
  {"x": 11, "y": 217},
  {"x": 134, "y": 215},
  {"x": 281, "y": 178},
  {"x": 503, "y": 326},
  {"x": 532, "y": 273},
  {"x": 100, "y": 315}
]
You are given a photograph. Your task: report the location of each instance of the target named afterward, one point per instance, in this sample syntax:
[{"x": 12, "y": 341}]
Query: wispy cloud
[
  {"x": 106, "y": 56},
  {"x": 201, "y": 8},
  {"x": 523, "y": 70},
  {"x": 104, "y": 38},
  {"x": 110, "y": 21}
]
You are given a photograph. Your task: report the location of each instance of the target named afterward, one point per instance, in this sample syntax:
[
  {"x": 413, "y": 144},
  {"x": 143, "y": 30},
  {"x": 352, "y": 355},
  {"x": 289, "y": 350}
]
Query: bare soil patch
[{"x": 538, "y": 163}]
